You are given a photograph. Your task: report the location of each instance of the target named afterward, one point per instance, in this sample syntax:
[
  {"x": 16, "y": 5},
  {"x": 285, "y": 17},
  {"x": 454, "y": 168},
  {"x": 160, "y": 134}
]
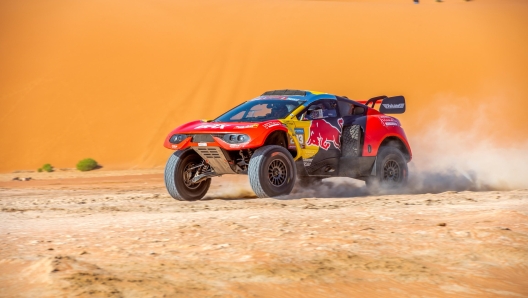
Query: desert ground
[
  {"x": 109, "y": 80},
  {"x": 119, "y": 234}
]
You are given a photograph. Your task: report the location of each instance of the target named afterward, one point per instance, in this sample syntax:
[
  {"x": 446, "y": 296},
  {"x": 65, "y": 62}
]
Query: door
[
  {"x": 353, "y": 163},
  {"x": 319, "y": 127}
]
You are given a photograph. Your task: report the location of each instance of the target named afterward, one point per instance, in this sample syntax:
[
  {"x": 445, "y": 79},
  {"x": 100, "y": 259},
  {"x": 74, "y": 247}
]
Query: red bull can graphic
[{"x": 323, "y": 134}]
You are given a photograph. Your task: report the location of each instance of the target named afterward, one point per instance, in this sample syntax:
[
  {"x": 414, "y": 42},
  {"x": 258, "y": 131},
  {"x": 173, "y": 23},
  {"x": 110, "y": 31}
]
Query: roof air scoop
[{"x": 285, "y": 92}]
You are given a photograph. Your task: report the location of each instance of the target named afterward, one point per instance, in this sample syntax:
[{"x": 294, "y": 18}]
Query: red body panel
[
  {"x": 257, "y": 132},
  {"x": 379, "y": 127}
]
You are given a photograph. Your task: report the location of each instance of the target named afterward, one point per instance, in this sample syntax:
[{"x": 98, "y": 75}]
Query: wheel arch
[
  {"x": 395, "y": 141},
  {"x": 277, "y": 137}
]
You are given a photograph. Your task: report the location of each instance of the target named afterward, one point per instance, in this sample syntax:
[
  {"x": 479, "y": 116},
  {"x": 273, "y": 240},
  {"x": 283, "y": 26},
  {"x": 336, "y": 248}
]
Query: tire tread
[
  {"x": 255, "y": 164},
  {"x": 170, "y": 170}
]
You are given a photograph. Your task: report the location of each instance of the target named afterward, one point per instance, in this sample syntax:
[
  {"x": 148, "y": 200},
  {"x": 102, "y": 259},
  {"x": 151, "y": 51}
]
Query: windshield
[{"x": 260, "y": 110}]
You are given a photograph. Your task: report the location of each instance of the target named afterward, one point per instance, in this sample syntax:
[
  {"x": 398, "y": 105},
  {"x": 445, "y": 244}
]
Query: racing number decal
[
  {"x": 300, "y": 138},
  {"x": 299, "y": 134}
]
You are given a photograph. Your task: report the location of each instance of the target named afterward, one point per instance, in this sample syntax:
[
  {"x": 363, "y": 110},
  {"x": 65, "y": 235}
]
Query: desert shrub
[
  {"x": 46, "y": 168},
  {"x": 87, "y": 164},
  {"x": 39, "y": 170}
]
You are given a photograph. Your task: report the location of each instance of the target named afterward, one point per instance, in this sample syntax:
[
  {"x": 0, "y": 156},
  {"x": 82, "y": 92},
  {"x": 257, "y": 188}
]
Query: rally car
[{"x": 284, "y": 136}]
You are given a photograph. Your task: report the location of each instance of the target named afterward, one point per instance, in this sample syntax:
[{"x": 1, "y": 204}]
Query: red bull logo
[{"x": 323, "y": 134}]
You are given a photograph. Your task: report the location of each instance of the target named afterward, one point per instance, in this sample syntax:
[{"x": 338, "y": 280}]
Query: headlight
[
  {"x": 236, "y": 138},
  {"x": 176, "y": 139}
]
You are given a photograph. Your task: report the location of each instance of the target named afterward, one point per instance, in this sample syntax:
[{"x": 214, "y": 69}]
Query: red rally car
[{"x": 288, "y": 135}]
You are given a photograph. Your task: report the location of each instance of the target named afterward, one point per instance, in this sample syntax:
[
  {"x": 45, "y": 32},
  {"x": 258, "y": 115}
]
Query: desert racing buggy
[{"x": 287, "y": 135}]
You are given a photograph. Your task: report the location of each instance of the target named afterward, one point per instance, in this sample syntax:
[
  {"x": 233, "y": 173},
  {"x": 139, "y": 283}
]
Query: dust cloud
[
  {"x": 232, "y": 190},
  {"x": 329, "y": 188},
  {"x": 450, "y": 157},
  {"x": 446, "y": 157}
]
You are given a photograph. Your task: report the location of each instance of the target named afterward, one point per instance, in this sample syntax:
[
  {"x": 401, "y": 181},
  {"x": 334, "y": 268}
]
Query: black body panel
[{"x": 356, "y": 167}]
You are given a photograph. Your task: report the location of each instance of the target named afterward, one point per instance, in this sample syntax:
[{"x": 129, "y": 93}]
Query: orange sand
[
  {"x": 120, "y": 234},
  {"x": 108, "y": 79}
]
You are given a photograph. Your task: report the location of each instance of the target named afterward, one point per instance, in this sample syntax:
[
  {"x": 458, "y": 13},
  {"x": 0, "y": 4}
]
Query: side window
[
  {"x": 319, "y": 110},
  {"x": 331, "y": 111},
  {"x": 345, "y": 108}
]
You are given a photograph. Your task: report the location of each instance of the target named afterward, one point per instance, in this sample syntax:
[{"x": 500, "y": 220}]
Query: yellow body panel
[{"x": 303, "y": 150}]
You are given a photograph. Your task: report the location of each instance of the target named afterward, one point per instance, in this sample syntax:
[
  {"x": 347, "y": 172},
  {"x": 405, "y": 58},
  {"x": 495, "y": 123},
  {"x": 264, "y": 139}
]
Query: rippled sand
[{"x": 119, "y": 234}]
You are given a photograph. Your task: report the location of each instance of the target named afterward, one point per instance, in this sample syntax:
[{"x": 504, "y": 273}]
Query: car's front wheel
[
  {"x": 271, "y": 171},
  {"x": 181, "y": 167}
]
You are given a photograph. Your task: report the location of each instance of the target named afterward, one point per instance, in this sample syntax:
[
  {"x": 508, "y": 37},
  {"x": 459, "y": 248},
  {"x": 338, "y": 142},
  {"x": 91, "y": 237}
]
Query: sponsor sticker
[
  {"x": 271, "y": 97},
  {"x": 271, "y": 124},
  {"x": 393, "y": 106},
  {"x": 389, "y": 121},
  {"x": 247, "y": 126},
  {"x": 202, "y": 144},
  {"x": 323, "y": 134},
  {"x": 205, "y": 126},
  {"x": 282, "y": 97},
  {"x": 307, "y": 162}
]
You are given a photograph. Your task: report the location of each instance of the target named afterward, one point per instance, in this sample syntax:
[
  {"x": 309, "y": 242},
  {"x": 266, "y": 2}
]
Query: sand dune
[{"x": 108, "y": 79}]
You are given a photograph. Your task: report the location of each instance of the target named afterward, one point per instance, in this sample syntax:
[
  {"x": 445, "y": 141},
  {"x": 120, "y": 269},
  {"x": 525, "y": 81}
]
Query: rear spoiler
[{"x": 389, "y": 105}]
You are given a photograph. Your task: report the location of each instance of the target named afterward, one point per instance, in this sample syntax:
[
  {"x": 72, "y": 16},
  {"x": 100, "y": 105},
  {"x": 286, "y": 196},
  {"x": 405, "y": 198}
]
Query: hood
[{"x": 222, "y": 127}]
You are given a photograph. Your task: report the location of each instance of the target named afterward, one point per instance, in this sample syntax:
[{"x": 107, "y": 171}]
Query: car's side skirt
[{"x": 356, "y": 167}]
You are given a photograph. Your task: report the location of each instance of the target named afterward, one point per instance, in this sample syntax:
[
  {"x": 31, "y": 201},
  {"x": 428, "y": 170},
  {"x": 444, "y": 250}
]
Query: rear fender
[
  {"x": 390, "y": 140},
  {"x": 383, "y": 130}
]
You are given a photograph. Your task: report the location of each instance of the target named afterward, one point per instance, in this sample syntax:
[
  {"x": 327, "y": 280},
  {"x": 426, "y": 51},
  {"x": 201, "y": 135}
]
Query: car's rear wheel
[
  {"x": 271, "y": 171},
  {"x": 391, "y": 170},
  {"x": 181, "y": 167}
]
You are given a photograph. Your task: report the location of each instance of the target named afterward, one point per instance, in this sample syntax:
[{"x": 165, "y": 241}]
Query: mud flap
[{"x": 373, "y": 172}]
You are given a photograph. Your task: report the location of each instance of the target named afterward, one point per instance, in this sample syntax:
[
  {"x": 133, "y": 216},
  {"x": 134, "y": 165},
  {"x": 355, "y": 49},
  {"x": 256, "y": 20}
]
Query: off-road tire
[
  {"x": 391, "y": 170},
  {"x": 174, "y": 177},
  {"x": 271, "y": 171},
  {"x": 351, "y": 141}
]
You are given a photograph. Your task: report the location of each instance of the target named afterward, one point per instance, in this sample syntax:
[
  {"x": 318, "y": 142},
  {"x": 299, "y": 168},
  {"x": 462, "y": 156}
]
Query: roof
[{"x": 293, "y": 94}]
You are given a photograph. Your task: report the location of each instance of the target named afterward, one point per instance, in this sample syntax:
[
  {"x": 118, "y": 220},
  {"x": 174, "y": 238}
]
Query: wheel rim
[
  {"x": 391, "y": 172},
  {"x": 188, "y": 174},
  {"x": 277, "y": 172}
]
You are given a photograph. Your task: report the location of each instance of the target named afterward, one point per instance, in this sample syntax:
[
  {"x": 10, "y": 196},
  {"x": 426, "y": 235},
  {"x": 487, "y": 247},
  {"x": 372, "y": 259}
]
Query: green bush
[
  {"x": 87, "y": 164},
  {"x": 46, "y": 168}
]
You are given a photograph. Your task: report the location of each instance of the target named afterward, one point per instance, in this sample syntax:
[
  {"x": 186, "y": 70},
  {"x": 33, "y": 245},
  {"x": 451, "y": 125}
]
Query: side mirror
[{"x": 358, "y": 111}]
